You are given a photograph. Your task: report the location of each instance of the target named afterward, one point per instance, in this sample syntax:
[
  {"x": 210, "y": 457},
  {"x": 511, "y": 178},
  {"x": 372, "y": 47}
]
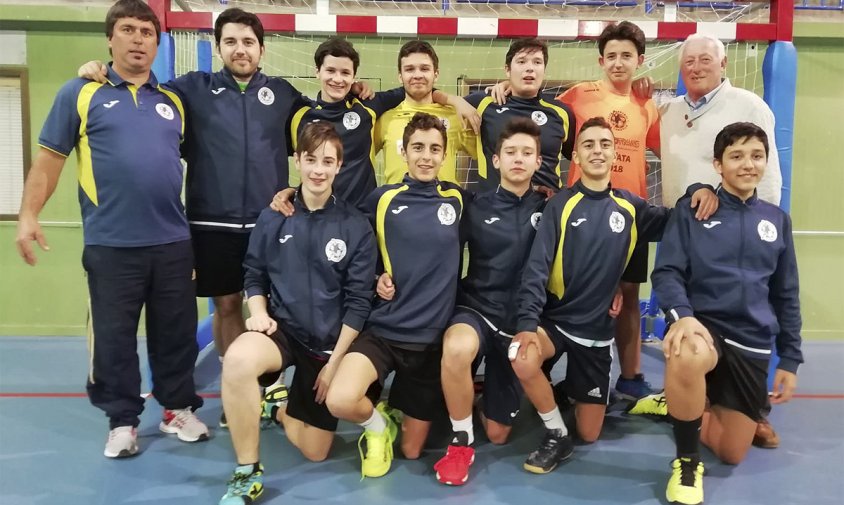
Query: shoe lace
[
  {"x": 688, "y": 472},
  {"x": 455, "y": 454},
  {"x": 374, "y": 451},
  {"x": 550, "y": 442},
  {"x": 185, "y": 417},
  {"x": 239, "y": 483}
]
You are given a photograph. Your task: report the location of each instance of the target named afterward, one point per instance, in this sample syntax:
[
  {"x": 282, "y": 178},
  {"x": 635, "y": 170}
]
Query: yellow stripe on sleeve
[
  {"x": 178, "y": 103},
  {"x": 85, "y": 165},
  {"x": 380, "y": 217},
  {"x": 634, "y": 231},
  {"x": 374, "y": 117},
  {"x": 294, "y": 125},
  {"x": 482, "y": 166},
  {"x": 556, "y": 285}
]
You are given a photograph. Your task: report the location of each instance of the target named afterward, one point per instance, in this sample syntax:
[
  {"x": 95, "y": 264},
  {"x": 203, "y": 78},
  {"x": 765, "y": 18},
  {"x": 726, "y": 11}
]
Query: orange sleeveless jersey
[{"x": 635, "y": 124}]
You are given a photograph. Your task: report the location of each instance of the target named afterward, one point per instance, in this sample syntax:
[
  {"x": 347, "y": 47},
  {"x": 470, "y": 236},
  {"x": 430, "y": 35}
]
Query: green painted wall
[{"x": 50, "y": 299}]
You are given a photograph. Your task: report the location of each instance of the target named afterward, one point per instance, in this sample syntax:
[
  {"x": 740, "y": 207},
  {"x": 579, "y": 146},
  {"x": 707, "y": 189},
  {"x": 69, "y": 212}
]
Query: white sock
[
  {"x": 554, "y": 420},
  {"x": 376, "y": 423},
  {"x": 464, "y": 425}
]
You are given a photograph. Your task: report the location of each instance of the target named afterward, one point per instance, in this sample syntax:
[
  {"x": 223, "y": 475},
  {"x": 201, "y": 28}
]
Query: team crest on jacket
[
  {"x": 539, "y": 117},
  {"x": 351, "y": 120},
  {"x": 447, "y": 214},
  {"x": 335, "y": 250},
  {"x": 164, "y": 111},
  {"x": 266, "y": 96},
  {"x": 767, "y": 230},
  {"x": 534, "y": 220},
  {"x": 617, "y": 222}
]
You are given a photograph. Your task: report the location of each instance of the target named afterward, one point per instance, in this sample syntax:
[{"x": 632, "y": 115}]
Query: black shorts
[
  {"x": 737, "y": 382},
  {"x": 218, "y": 261},
  {"x": 637, "y": 268},
  {"x": 589, "y": 363},
  {"x": 301, "y": 397},
  {"x": 416, "y": 389},
  {"x": 503, "y": 396}
]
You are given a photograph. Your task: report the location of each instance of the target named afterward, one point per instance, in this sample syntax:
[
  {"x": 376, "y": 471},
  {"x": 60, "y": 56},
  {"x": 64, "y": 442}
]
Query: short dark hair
[
  {"x": 131, "y": 9},
  {"x": 418, "y": 46},
  {"x": 316, "y": 134},
  {"x": 593, "y": 122},
  {"x": 622, "y": 31},
  {"x": 733, "y": 133},
  {"x": 339, "y": 48},
  {"x": 520, "y": 45},
  {"x": 516, "y": 126},
  {"x": 423, "y": 121},
  {"x": 241, "y": 17}
]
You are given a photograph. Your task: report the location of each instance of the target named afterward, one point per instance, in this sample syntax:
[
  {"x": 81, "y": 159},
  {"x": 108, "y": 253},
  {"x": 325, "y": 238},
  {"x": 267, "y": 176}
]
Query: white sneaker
[
  {"x": 184, "y": 424},
  {"x": 122, "y": 442}
]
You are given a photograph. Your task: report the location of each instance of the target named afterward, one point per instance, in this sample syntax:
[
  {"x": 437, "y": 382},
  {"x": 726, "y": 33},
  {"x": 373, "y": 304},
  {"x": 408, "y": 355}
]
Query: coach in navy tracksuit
[
  {"x": 729, "y": 288},
  {"x": 316, "y": 271},
  {"x": 417, "y": 223}
]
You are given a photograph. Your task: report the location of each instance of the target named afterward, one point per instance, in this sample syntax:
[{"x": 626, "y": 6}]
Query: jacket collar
[{"x": 115, "y": 80}]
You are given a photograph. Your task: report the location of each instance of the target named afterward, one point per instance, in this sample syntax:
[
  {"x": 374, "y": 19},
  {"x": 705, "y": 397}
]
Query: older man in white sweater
[
  {"x": 688, "y": 126},
  {"x": 689, "y": 123}
]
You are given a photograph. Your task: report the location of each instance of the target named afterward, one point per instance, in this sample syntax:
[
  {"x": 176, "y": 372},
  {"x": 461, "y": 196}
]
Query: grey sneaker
[
  {"x": 184, "y": 424},
  {"x": 122, "y": 442}
]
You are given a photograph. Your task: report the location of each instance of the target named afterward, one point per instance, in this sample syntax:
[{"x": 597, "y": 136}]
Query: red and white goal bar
[{"x": 779, "y": 26}]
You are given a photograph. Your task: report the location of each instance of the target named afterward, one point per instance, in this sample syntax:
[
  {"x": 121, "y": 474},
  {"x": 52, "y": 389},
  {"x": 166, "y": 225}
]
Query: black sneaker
[{"x": 554, "y": 449}]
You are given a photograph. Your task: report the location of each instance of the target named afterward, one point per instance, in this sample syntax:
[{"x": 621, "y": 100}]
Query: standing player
[
  {"x": 417, "y": 225},
  {"x": 525, "y": 65},
  {"x": 354, "y": 118},
  {"x": 418, "y": 71},
  {"x": 585, "y": 240},
  {"x": 635, "y": 124},
  {"x": 316, "y": 268},
  {"x": 499, "y": 227},
  {"x": 137, "y": 242},
  {"x": 724, "y": 319}
]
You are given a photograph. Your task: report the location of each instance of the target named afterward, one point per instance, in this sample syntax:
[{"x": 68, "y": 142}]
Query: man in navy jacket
[{"x": 729, "y": 287}]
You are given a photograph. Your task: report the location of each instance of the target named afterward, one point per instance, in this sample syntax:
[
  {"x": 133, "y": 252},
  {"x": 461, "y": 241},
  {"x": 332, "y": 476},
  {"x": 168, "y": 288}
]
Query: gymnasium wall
[{"x": 50, "y": 299}]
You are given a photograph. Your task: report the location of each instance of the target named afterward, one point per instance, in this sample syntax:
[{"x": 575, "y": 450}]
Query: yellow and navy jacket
[
  {"x": 418, "y": 229},
  {"x": 389, "y": 132},
  {"x": 499, "y": 228},
  {"x": 737, "y": 273},
  {"x": 584, "y": 242},
  {"x": 235, "y": 145},
  {"x": 556, "y": 124},
  {"x": 354, "y": 119},
  {"x": 316, "y": 268},
  {"x": 127, "y": 147}
]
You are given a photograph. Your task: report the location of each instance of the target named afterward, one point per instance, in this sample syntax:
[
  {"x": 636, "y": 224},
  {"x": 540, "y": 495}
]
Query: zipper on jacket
[
  {"x": 245, "y": 155},
  {"x": 311, "y": 248},
  {"x": 743, "y": 214}
]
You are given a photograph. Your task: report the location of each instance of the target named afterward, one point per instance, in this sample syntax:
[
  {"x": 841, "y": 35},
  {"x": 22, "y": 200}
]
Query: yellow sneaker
[
  {"x": 686, "y": 483},
  {"x": 395, "y": 415},
  {"x": 654, "y": 405},
  {"x": 379, "y": 450}
]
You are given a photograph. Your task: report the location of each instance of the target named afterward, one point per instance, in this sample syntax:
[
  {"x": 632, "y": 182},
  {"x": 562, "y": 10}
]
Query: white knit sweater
[{"x": 687, "y": 153}]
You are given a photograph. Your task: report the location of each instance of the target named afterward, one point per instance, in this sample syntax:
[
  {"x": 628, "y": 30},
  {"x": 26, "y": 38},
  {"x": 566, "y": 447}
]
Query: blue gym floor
[{"x": 51, "y": 443}]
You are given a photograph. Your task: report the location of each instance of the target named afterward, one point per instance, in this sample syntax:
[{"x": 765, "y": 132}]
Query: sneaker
[
  {"x": 765, "y": 436},
  {"x": 686, "y": 483},
  {"x": 554, "y": 449},
  {"x": 245, "y": 486},
  {"x": 633, "y": 389},
  {"x": 395, "y": 414},
  {"x": 654, "y": 405},
  {"x": 122, "y": 442},
  {"x": 379, "y": 449},
  {"x": 453, "y": 468},
  {"x": 223, "y": 423},
  {"x": 184, "y": 424},
  {"x": 276, "y": 393}
]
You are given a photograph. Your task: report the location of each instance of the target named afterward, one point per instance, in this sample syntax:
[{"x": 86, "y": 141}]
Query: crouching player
[
  {"x": 417, "y": 224},
  {"x": 726, "y": 304},
  {"x": 316, "y": 268},
  {"x": 499, "y": 226},
  {"x": 585, "y": 239}
]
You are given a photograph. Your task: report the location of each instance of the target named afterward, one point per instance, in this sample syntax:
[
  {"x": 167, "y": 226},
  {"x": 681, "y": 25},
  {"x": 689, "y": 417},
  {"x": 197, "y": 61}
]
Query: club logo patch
[
  {"x": 617, "y": 222},
  {"x": 351, "y": 120},
  {"x": 767, "y": 230},
  {"x": 618, "y": 120},
  {"x": 335, "y": 250},
  {"x": 446, "y": 214},
  {"x": 539, "y": 117},
  {"x": 266, "y": 96},
  {"x": 534, "y": 220},
  {"x": 165, "y": 111}
]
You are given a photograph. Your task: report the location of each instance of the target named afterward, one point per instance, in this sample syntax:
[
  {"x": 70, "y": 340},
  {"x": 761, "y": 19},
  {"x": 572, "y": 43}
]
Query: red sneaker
[{"x": 453, "y": 468}]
